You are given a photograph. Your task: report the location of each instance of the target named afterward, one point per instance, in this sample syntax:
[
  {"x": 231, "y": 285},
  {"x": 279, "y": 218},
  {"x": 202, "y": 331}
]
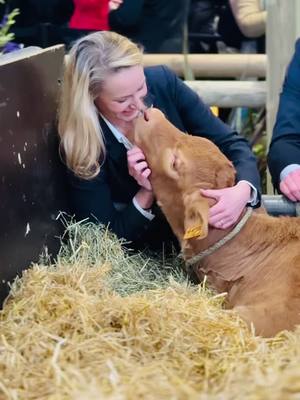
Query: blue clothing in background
[{"x": 285, "y": 144}]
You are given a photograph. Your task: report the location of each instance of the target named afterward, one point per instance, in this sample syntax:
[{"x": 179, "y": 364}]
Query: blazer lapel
[{"x": 123, "y": 186}]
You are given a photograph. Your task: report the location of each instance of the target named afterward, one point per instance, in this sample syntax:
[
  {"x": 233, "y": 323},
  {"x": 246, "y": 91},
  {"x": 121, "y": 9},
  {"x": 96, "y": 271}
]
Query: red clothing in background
[{"x": 90, "y": 15}]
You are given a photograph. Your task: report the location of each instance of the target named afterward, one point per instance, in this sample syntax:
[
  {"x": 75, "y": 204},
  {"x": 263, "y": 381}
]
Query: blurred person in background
[
  {"x": 89, "y": 16},
  {"x": 284, "y": 152},
  {"x": 250, "y": 16},
  {"x": 242, "y": 25},
  {"x": 202, "y": 23},
  {"x": 40, "y": 21},
  {"x": 157, "y": 25}
]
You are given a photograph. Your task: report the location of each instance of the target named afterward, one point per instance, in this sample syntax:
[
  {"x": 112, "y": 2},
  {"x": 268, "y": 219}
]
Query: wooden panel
[{"x": 32, "y": 190}]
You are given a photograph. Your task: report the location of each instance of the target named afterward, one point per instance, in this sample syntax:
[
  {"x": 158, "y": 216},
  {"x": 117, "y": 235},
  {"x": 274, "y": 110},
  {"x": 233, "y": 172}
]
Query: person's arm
[
  {"x": 126, "y": 16},
  {"x": 200, "y": 121},
  {"x": 285, "y": 144},
  {"x": 92, "y": 199},
  {"x": 249, "y": 16},
  {"x": 290, "y": 182}
]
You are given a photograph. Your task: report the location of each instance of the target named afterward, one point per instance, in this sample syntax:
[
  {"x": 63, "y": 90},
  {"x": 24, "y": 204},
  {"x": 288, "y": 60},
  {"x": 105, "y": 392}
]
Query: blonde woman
[{"x": 104, "y": 90}]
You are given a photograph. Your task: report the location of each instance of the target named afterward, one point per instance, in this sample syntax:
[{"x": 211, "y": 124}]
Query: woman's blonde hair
[{"x": 89, "y": 62}]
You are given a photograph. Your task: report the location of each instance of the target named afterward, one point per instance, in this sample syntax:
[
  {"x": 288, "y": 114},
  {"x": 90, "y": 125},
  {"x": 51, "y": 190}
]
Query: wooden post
[
  {"x": 241, "y": 66},
  {"x": 283, "y": 28},
  {"x": 231, "y": 93},
  {"x": 213, "y": 65}
]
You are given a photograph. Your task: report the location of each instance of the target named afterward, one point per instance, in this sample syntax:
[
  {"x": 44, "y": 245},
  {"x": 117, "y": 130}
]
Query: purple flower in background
[
  {"x": 4, "y": 21},
  {"x": 10, "y": 46}
]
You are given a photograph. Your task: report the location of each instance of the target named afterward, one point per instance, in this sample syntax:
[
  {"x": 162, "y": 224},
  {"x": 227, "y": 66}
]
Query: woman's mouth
[{"x": 129, "y": 113}]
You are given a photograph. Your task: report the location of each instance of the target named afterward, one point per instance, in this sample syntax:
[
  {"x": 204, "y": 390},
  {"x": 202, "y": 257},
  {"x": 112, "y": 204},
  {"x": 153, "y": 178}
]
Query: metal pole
[{"x": 279, "y": 205}]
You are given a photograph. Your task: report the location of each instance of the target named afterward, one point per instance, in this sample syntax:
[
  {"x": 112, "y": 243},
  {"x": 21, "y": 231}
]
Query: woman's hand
[
  {"x": 230, "y": 204},
  {"x": 138, "y": 167},
  {"x": 290, "y": 185}
]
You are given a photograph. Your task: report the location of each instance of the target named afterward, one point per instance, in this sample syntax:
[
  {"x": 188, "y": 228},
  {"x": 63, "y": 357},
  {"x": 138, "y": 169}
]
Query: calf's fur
[{"x": 260, "y": 267}]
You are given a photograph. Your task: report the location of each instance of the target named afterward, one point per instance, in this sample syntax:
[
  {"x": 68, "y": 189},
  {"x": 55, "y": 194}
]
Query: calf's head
[{"x": 181, "y": 165}]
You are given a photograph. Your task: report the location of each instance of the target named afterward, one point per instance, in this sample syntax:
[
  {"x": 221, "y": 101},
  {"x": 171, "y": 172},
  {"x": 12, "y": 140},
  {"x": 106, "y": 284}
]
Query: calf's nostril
[{"x": 146, "y": 115}]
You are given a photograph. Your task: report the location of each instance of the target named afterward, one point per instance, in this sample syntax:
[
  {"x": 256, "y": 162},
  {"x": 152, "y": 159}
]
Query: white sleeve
[{"x": 146, "y": 213}]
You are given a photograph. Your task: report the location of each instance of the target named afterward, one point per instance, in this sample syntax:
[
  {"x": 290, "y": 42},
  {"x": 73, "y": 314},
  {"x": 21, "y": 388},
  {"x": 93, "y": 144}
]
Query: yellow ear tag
[{"x": 193, "y": 232}]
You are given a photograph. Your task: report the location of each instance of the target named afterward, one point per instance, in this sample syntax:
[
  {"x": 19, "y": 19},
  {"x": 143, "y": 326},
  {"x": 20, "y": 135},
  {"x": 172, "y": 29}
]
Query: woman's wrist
[
  {"x": 144, "y": 198},
  {"x": 246, "y": 190}
]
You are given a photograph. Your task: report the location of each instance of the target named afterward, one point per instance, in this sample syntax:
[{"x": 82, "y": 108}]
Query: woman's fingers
[
  {"x": 229, "y": 206},
  {"x": 136, "y": 156},
  {"x": 138, "y": 167},
  {"x": 146, "y": 173},
  {"x": 285, "y": 189},
  {"x": 290, "y": 186}
]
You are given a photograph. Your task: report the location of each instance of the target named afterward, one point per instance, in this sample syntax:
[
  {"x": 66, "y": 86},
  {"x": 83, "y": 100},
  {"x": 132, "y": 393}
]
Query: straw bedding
[{"x": 103, "y": 323}]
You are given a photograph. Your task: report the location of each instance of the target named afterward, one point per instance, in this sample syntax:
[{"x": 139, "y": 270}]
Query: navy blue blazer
[
  {"x": 285, "y": 143},
  {"x": 183, "y": 107}
]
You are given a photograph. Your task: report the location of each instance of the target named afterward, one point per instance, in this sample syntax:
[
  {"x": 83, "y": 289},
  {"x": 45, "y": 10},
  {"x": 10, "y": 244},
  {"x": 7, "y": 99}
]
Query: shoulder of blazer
[
  {"x": 291, "y": 79},
  {"x": 159, "y": 74},
  {"x": 160, "y": 78},
  {"x": 297, "y": 47}
]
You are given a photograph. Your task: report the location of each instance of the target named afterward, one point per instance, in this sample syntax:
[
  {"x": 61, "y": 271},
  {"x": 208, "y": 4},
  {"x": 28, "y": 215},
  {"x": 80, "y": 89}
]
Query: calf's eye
[{"x": 174, "y": 162}]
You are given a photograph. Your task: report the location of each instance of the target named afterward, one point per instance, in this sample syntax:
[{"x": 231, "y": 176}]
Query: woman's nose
[{"x": 138, "y": 103}]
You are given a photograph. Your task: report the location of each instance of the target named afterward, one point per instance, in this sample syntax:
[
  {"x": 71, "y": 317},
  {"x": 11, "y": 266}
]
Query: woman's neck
[{"x": 125, "y": 127}]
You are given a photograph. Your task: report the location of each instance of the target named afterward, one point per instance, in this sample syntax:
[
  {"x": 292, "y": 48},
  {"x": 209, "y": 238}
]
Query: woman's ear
[{"x": 195, "y": 216}]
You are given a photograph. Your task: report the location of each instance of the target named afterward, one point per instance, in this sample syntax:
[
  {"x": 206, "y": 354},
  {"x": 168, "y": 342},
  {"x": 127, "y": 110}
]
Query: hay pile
[{"x": 104, "y": 324}]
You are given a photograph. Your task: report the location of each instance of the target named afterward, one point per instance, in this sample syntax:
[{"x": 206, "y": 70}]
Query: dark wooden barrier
[{"x": 32, "y": 192}]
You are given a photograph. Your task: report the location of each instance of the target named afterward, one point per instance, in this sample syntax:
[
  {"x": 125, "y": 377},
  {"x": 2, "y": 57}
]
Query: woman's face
[{"x": 122, "y": 94}]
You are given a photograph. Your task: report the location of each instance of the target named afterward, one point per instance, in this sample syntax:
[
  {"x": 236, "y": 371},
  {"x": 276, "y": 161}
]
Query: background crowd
[{"x": 160, "y": 26}]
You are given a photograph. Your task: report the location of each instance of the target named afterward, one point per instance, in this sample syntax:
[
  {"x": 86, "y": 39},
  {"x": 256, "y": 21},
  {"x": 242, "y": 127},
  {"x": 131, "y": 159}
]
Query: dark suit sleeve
[
  {"x": 92, "y": 199},
  {"x": 127, "y": 16},
  {"x": 285, "y": 143},
  {"x": 199, "y": 120}
]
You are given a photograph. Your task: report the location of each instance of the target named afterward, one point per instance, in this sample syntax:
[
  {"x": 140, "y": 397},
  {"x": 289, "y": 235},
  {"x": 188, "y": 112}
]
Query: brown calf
[{"x": 260, "y": 267}]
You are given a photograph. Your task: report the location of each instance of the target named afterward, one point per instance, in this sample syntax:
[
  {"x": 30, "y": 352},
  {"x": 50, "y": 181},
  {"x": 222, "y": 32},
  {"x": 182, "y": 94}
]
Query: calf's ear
[
  {"x": 170, "y": 163},
  {"x": 225, "y": 176},
  {"x": 196, "y": 210}
]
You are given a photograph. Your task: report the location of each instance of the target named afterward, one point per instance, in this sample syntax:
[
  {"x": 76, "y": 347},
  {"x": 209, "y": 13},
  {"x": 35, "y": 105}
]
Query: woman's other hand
[
  {"x": 229, "y": 206},
  {"x": 290, "y": 185},
  {"x": 138, "y": 167}
]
